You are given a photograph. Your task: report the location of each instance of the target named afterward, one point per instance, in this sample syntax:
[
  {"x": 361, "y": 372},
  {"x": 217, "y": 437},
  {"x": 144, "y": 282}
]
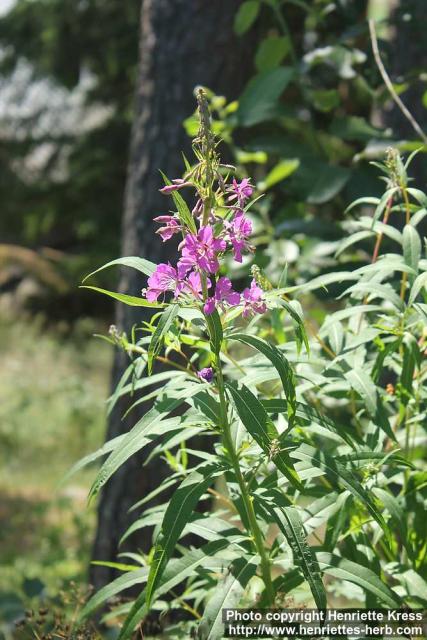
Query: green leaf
[
  {"x": 336, "y": 337},
  {"x": 353, "y": 239},
  {"x": 178, "y": 512},
  {"x": 143, "y": 382},
  {"x": 340, "y": 475},
  {"x": 397, "y": 514},
  {"x": 375, "y": 290},
  {"x": 151, "y": 423},
  {"x": 286, "y": 583},
  {"x": 131, "y": 301},
  {"x": 419, "y": 196},
  {"x": 283, "y": 170},
  {"x": 259, "y": 99},
  {"x": 306, "y": 412},
  {"x": 352, "y": 572},
  {"x": 184, "y": 213},
  {"x": 91, "y": 457},
  {"x": 415, "y": 586},
  {"x": 121, "y": 583},
  {"x": 420, "y": 283},
  {"x": 246, "y": 16},
  {"x": 329, "y": 181},
  {"x": 364, "y": 201},
  {"x": 327, "y": 278},
  {"x": 215, "y": 331},
  {"x": 384, "y": 201},
  {"x": 271, "y": 51},
  {"x": 294, "y": 309},
  {"x": 319, "y": 511},
  {"x": 361, "y": 382},
  {"x": 281, "y": 365},
  {"x": 176, "y": 571},
  {"x": 411, "y": 356},
  {"x": 325, "y": 99},
  {"x": 289, "y": 522},
  {"x": 117, "y": 565},
  {"x": 411, "y": 247},
  {"x": 227, "y": 594},
  {"x": 145, "y": 266},
  {"x": 418, "y": 216},
  {"x": 261, "y": 428},
  {"x": 355, "y": 128},
  {"x": 163, "y": 326}
]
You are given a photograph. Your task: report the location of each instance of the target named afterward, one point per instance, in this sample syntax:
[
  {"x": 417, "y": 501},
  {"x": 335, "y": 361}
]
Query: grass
[{"x": 53, "y": 386}]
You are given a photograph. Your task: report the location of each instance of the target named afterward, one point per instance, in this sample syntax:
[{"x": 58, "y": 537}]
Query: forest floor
[{"x": 53, "y": 387}]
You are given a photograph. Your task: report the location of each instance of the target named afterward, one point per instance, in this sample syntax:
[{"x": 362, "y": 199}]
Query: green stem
[
  {"x": 247, "y": 499},
  {"x": 408, "y": 218}
]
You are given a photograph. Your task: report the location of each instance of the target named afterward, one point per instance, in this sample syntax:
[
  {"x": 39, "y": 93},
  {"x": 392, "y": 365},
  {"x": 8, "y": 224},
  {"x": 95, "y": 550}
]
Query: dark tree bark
[{"x": 183, "y": 43}]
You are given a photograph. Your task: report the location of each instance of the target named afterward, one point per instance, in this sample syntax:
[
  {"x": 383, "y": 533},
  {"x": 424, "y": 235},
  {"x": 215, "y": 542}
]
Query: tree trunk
[{"x": 183, "y": 43}]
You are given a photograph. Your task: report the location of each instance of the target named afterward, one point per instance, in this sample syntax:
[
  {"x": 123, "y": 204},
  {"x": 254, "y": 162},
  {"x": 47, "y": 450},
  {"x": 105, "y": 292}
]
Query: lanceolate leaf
[
  {"x": 363, "y": 384},
  {"x": 91, "y": 457},
  {"x": 177, "y": 515},
  {"x": 131, "y": 301},
  {"x": 260, "y": 97},
  {"x": 411, "y": 247},
  {"x": 375, "y": 290},
  {"x": 347, "y": 570},
  {"x": 282, "y": 366},
  {"x": 420, "y": 283},
  {"x": 261, "y": 428},
  {"x": 306, "y": 412},
  {"x": 227, "y": 594},
  {"x": 319, "y": 511},
  {"x": 397, "y": 514},
  {"x": 184, "y": 213},
  {"x": 289, "y": 522},
  {"x": 177, "y": 570},
  {"x": 353, "y": 239},
  {"x": 340, "y": 475},
  {"x": 163, "y": 326},
  {"x": 215, "y": 331},
  {"x": 152, "y": 422},
  {"x": 118, "y": 585},
  {"x": 385, "y": 200},
  {"x": 246, "y": 16},
  {"x": 144, "y": 266},
  {"x": 294, "y": 309},
  {"x": 134, "y": 441}
]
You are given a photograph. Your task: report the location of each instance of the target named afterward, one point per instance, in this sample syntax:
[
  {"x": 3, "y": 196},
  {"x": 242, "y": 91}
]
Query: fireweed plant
[{"x": 316, "y": 433}]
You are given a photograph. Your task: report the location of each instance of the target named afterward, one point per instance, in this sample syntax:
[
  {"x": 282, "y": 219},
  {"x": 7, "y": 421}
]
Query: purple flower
[
  {"x": 201, "y": 251},
  {"x": 223, "y": 293},
  {"x": 206, "y": 374},
  {"x": 165, "y": 278},
  {"x": 239, "y": 229},
  {"x": 171, "y": 226},
  {"x": 209, "y": 306},
  {"x": 193, "y": 284},
  {"x": 241, "y": 191},
  {"x": 178, "y": 183},
  {"x": 252, "y": 300}
]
